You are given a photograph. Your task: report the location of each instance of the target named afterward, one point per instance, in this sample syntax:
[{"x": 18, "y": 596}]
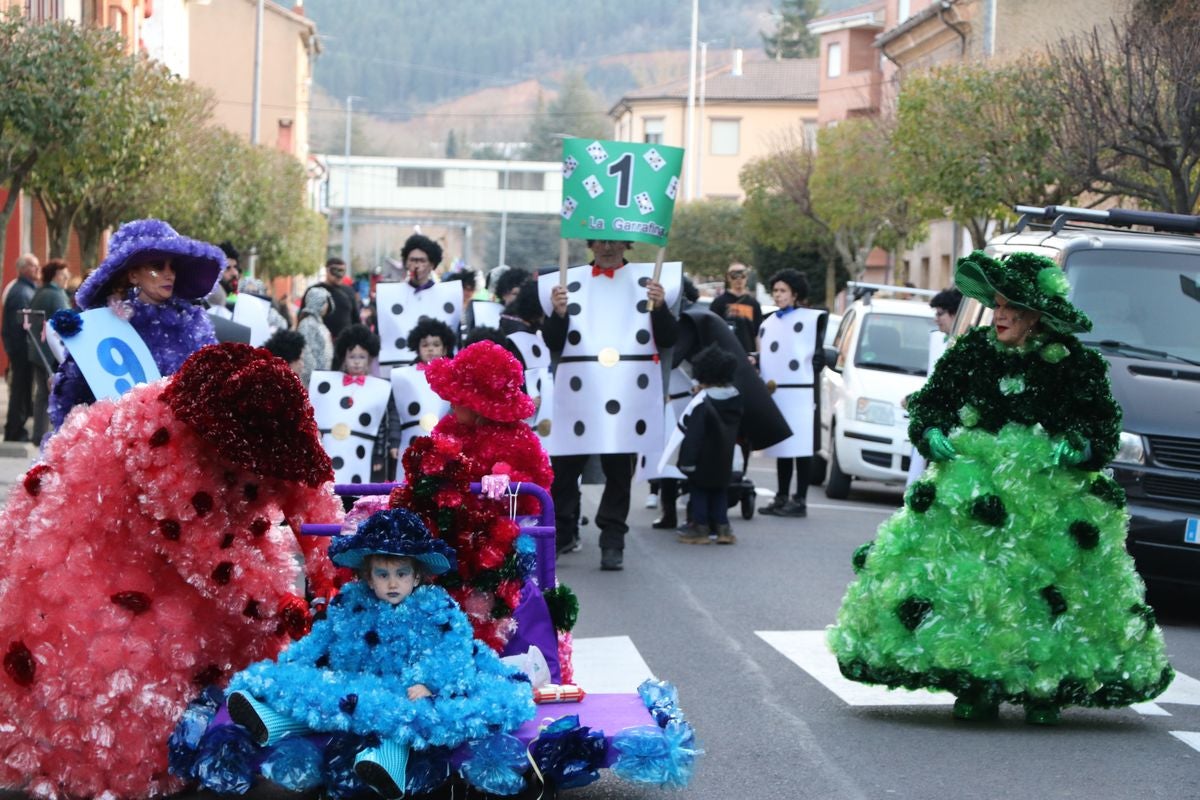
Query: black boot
[{"x": 775, "y": 509}]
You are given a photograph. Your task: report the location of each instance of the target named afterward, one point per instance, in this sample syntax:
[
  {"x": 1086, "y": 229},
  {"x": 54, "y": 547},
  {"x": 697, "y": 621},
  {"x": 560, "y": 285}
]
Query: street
[{"x": 739, "y": 631}]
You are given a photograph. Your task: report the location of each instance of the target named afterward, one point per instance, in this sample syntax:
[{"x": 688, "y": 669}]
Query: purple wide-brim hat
[{"x": 197, "y": 264}]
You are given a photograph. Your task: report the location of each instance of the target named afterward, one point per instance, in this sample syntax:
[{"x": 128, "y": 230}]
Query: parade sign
[
  {"x": 619, "y": 191},
  {"x": 252, "y": 312},
  {"x": 111, "y": 355}
]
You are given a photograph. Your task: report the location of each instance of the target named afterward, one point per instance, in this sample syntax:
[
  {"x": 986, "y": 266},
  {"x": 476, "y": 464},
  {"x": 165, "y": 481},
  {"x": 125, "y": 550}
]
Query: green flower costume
[{"x": 1005, "y": 578}]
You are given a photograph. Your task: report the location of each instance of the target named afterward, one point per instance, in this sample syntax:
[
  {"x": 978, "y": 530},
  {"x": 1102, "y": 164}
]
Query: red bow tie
[
  {"x": 361, "y": 380},
  {"x": 605, "y": 271}
]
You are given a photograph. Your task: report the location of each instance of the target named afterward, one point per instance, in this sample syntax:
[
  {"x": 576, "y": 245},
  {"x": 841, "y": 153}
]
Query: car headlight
[
  {"x": 879, "y": 412},
  {"x": 1131, "y": 449}
]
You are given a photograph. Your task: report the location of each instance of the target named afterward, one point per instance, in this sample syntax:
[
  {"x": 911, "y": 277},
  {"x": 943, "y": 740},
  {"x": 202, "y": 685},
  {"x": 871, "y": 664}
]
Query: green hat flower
[{"x": 1026, "y": 280}]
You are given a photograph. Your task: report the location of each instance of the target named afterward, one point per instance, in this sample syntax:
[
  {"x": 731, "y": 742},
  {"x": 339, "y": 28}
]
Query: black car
[{"x": 1140, "y": 290}]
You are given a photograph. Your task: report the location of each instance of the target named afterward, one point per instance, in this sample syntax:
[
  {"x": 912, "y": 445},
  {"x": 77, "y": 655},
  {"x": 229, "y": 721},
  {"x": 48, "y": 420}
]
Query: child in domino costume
[{"x": 400, "y": 307}]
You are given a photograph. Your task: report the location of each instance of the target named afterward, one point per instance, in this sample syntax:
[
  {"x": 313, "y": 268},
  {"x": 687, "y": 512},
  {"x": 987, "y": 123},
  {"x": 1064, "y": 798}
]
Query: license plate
[{"x": 1191, "y": 531}]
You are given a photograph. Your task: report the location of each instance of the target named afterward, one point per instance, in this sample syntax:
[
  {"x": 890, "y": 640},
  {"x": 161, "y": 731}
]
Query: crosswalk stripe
[
  {"x": 609, "y": 665},
  {"x": 1190, "y": 738}
]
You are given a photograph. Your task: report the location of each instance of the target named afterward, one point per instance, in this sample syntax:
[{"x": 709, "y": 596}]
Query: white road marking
[
  {"x": 1183, "y": 691},
  {"x": 1190, "y": 738},
  {"x": 609, "y": 665},
  {"x": 807, "y": 650}
]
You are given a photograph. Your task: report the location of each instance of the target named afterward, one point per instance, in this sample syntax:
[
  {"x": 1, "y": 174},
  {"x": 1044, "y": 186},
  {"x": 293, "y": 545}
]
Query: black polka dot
[
  {"x": 448, "y": 308},
  {"x": 612, "y": 407},
  {"x": 537, "y": 351},
  {"x": 579, "y": 428},
  {"x": 414, "y": 409},
  {"x": 360, "y": 451},
  {"x": 774, "y": 347},
  {"x": 643, "y": 282},
  {"x": 643, "y": 462},
  {"x": 793, "y": 365},
  {"x": 640, "y": 427},
  {"x": 401, "y": 343},
  {"x": 573, "y": 309},
  {"x": 322, "y": 387},
  {"x": 539, "y": 385},
  {"x": 643, "y": 381},
  {"x": 397, "y": 308},
  {"x": 346, "y": 402},
  {"x": 799, "y": 326},
  {"x": 356, "y": 479},
  {"x": 574, "y": 286},
  {"x": 576, "y": 383},
  {"x": 643, "y": 306},
  {"x": 574, "y": 337},
  {"x": 643, "y": 337},
  {"x": 364, "y": 420},
  {"x": 338, "y": 462}
]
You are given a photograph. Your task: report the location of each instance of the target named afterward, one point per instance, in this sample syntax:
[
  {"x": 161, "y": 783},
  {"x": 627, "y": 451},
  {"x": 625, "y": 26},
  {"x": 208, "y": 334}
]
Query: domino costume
[
  {"x": 534, "y": 354},
  {"x": 399, "y": 306},
  {"x": 787, "y": 344},
  {"x": 418, "y": 406},
  {"x": 348, "y": 415}
]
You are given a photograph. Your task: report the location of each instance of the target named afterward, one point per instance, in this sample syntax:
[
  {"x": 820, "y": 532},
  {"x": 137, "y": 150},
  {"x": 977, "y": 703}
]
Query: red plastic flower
[
  {"x": 33, "y": 479},
  {"x": 294, "y": 618},
  {"x": 19, "y": 664}
]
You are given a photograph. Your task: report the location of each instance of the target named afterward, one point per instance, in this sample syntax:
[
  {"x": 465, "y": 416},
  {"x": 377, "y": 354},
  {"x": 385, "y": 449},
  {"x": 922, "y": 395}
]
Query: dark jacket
[
  {"x": 709, "y": 437},
  {"x": 46, "y": 299},
  {"x": 13, "y": 327}
]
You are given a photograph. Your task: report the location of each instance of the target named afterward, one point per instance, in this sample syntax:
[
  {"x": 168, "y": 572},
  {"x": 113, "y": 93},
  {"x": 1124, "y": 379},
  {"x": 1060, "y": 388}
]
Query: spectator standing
[
  {"x": 20, "y": 369},
  {"x": 318, "y": 344},
  {"x": 607, "y": 326},
  {"x": 344, "y": 298},
  {"x": 945, "y": 308},
  {"x": 739, "y": 308},
  {"x": 51, "y": 296}
]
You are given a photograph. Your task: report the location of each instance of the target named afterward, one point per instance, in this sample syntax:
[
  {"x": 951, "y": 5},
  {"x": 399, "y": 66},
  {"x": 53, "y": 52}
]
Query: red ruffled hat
[
  {"x": 253, "y": 409},
  {"x": 485, "y": 378}
]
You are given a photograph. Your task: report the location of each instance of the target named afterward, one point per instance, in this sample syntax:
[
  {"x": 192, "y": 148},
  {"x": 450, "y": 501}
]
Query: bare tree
[{"x": 1129, "y": 100}]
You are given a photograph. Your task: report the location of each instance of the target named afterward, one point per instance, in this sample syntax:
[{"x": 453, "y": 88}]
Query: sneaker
[
  {"x": 696, "y": 537},
  {"x": 651, "y": 501},
  {"x": 665, "y": 523},
  {"x": 242, "y": 712},
  {"x": 573, "y": 546},
  {"x": 775, "y": 509},
  {"x": 725, "y": 535},
  {"x": 792, "y": 509},
  {"x": 612, "y": 559}
]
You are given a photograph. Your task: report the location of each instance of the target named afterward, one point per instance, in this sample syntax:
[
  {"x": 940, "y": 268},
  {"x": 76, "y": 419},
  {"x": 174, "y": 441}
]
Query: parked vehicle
[
  {"x": 878, "y": 357},
  {"x": 1140, "y": 290}
]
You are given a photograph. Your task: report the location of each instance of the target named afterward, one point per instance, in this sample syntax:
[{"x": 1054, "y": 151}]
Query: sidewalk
[{"x": 15, "y": 457}]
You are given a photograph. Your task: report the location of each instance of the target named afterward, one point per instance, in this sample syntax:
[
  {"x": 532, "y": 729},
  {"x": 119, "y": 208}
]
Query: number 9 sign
[{"x": 110, "y": 354}]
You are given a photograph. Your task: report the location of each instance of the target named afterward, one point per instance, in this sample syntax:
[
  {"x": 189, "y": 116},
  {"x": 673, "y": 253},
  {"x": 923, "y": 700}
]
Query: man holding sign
[{"x": 606, "y": 323}]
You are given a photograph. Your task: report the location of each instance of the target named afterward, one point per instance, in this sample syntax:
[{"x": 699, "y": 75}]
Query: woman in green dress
[{"x": 1005, "y": 578}]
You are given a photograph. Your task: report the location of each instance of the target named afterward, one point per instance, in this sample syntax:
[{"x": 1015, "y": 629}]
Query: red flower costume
[{"x": 143, "y": 561}]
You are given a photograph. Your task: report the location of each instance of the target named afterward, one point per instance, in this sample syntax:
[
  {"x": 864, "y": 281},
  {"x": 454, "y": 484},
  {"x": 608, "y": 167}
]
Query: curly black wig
[
  {"x": 423, "y": 243},
  {"x": 428, "y": 326}
]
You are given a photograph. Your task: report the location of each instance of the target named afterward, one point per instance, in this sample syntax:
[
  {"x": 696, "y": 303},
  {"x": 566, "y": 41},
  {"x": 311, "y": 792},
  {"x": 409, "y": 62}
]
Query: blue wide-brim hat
[
  {"x": 393, "y": 532},
  {"x": 197, "y": 264}
]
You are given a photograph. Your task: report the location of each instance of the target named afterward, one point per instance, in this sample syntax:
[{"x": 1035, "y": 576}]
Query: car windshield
[
  {"x": 894, "y": 343},
  {"x": 1139, "y": 300}
]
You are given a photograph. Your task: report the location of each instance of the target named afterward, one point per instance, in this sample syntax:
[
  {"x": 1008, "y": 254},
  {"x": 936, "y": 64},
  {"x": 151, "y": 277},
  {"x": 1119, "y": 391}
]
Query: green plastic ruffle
[{"x": 1004, "y": 577}]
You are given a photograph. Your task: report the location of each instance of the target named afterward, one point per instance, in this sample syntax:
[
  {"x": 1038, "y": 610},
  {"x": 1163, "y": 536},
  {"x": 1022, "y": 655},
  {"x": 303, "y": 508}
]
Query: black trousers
[
  {"x": 783, "y": 468},
  {"x": 20, "y": 397},
  {"x": 614, "y": 502}
]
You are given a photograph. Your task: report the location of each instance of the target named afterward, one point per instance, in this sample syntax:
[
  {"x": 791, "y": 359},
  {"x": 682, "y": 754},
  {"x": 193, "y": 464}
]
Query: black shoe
[
  {"x": 242, "y": 712},
  {"x": 375, "y": 776},
  {"x": 20, "y": 436},
  {"x": 572, "y": 546},
  {"x": 665, "y": 523},
  {"x": 612, "y": 559},
  {"x": 793, "y": 509},
  {"x": 775, "y": 509}
]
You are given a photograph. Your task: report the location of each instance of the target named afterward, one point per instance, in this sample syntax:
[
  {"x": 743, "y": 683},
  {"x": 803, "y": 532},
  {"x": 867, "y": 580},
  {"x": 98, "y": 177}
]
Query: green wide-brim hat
[{"x": 1024, "y": 279}]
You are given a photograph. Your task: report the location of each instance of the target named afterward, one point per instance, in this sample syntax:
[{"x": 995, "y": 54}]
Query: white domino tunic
[
  {"x": 608, "y": 385},
  {"x": 348, "y": 417},
  {"x": 651, "y": 464},
  {"x": 399, "y": 307},
  {"x": 419, "y": 407},
  {"x": 539, "y": 381},
  {"x": 785, "y": 358}
]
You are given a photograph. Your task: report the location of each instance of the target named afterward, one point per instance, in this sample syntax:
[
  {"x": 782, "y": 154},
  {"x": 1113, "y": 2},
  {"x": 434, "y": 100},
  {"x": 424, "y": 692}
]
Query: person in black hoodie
[{"x": 710, "y": 430}]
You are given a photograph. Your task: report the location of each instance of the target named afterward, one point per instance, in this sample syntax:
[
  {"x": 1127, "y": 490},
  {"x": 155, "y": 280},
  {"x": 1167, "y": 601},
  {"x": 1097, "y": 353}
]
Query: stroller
[{"x": 741, "y": 489}]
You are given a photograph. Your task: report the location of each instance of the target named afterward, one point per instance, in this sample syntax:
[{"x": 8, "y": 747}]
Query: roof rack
[
  {"x": 865, "y": 291},
  {"x": 1059, "y": 216}
]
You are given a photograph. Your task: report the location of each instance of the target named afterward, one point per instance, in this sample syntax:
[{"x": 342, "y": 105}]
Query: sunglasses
[{"x": 736, "y": 275}]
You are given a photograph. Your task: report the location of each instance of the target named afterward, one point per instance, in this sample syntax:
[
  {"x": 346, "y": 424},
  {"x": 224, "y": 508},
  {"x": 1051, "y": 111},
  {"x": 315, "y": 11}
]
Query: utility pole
[
  {"x": 256, "y": 103},
  {"x": 346, "y": 189},
  {"x": 690, "y": 134}
]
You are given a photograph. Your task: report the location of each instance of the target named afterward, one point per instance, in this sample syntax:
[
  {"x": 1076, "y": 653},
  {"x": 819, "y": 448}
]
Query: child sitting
[
  {"x": 710, "y": 428},
  {"x": 393, "y": 660}
]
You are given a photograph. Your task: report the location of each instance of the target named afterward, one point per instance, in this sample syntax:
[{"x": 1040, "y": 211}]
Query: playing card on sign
[
  {"x": 644, "y": 203},
  {"x": 597, "y": 152},
  {"x": 655, "y": 161},
  {"x": 672, "y": 187},
  {"x": 593, "y": 187},
  {"x": 569, "y": 167},
  {"x": 569, "y": 206}
]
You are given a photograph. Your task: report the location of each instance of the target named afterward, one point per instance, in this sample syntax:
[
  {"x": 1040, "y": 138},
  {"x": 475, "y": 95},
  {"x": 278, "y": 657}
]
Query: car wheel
[{"x": 837, "y": 486}]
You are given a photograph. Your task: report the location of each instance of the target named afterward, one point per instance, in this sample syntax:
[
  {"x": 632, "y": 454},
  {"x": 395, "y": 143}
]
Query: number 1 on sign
[{"x": 622, "y": 168}]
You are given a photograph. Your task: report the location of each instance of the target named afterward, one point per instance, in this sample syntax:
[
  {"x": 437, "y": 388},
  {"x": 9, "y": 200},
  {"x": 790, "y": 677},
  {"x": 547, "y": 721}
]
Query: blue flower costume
[
  {"x": 1004, "y": 578},
  {"x": 352, "y": 673}
]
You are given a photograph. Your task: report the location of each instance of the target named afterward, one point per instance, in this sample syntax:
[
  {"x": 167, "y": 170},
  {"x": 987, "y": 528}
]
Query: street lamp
[
  {"x": 691, "y": 103},
  {"x": 346, "y": 187},
  {"x": 256, "y": 103}
]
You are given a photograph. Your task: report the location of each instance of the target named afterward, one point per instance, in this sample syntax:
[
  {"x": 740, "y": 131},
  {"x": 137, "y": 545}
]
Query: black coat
[{"x": 709, "y": 437}]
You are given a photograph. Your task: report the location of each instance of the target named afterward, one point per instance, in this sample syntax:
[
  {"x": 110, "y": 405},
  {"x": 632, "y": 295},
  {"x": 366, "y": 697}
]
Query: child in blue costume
[{"x": 394, "y": 659}]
